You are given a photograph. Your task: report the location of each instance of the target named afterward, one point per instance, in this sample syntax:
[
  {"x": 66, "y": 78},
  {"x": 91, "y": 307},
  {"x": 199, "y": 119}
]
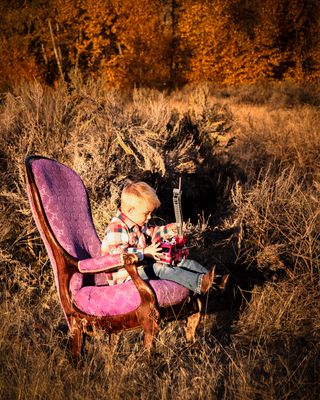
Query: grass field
[{"x": 250, "y": 166}]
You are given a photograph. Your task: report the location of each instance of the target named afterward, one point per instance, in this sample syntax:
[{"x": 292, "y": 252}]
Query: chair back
[
  {"x": 66, "y": 206},
  {"x": 61, "y": 209}
]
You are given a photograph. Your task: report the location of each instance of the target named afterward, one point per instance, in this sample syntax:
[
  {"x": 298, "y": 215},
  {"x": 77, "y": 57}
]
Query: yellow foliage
[
  {"x": 157, "y": 43},
  {"x": 141, "y": 44},
  {"x": 16, "y": 62},
  {"x": 202, "y": 29}
]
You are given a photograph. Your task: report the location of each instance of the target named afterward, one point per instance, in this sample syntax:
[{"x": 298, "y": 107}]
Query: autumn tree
[
  {"x": 274, "y": 39},
  {"x": 123, "y": 41},
  {"x": 17, "y": 63},
  {"x": 203, "y": 30},
  {"x": 76, "y": 34},
  {"x": 254, "y": 53},
  {"x": 232, "y": 41},
  {"x": 160, "y": 43},
  {"x": 300, "y": 40},
  {"x": 241, "y": 41},
  {"x": 142, "y": 43}
]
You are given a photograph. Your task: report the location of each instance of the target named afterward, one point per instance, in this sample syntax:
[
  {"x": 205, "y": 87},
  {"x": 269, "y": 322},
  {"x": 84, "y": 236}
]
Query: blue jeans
[{"x": 188, "y": 273}]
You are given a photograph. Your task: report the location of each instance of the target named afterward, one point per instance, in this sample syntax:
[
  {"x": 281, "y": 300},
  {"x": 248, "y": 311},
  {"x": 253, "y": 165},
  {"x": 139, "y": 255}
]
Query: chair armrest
[
  {"x": 112, "y": 262},
  {"x": 148, "y": 298},
  {"x": 105, "y": 263}
]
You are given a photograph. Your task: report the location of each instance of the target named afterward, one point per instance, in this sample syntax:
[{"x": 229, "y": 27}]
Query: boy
[{"x": 128, "y": 232}]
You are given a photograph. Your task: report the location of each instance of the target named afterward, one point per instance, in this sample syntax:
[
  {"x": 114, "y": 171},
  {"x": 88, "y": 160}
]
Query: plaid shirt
[{"x": 124, "y": 236}]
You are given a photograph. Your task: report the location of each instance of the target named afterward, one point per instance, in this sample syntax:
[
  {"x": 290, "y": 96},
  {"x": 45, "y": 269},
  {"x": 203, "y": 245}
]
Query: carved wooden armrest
[
  {"x": 147, "y": 295},
  {"x": 113, "y": 262}
]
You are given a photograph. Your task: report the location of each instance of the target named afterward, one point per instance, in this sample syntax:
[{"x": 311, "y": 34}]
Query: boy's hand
[
  {"x": 154, "y": 251},
  {"x": 174, "y": 228}
]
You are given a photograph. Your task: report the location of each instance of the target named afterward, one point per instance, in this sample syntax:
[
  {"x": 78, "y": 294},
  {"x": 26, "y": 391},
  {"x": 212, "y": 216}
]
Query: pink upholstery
[
  {"x": 122, "y": 298},
  {"x": 66, "y": 205},
  {"x": 102, "y": 263}
]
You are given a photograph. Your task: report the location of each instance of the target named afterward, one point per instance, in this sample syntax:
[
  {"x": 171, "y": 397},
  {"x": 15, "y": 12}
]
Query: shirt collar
[{"x": 126, "y": 220}]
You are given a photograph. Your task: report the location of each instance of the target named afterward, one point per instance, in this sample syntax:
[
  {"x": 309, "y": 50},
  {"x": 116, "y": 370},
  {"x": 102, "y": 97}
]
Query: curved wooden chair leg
[
  {"x": 151, "y": 328},
  {"x": 149, "y": 335},
  {"x": 77, "y": 341},
  {"x": 192, "y": 324}
]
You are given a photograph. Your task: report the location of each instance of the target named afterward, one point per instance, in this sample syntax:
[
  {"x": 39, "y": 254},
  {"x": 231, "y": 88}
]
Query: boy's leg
[
  {"x": 192, "y": 265},
  {"x": 187, "y": 278}
]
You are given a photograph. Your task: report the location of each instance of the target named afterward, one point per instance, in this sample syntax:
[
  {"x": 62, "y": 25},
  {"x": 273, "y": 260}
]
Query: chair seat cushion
[{"x": 122, "y": 298}]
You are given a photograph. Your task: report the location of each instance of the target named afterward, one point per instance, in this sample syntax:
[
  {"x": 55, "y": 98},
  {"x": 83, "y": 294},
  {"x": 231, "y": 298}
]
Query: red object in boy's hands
[{"x": 174, "y": 250}]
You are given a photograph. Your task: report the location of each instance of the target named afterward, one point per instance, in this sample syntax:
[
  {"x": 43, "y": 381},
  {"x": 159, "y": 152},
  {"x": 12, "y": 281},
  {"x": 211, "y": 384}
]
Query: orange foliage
[
  {"x": 230, "y": 43},
  {"x": 86, "y": 27},
  {"x": 236, "y": 41},
  {"x": 159, "y": 42},
  {"x": 16, "y": 62},
  {"x": 255, "y": 54},
  {"x": 142, "y": 44}
]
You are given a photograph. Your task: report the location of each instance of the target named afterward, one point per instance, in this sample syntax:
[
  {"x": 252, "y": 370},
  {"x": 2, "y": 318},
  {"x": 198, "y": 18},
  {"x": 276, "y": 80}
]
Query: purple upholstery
[
  {"x": 66, "y": 205},
  {"x": 102, "y": 263},
  {"x": 122, "y": 298}
]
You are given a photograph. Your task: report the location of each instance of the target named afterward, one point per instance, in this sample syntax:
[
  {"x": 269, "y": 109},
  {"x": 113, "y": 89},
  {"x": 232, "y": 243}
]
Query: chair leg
[
  {"x": 77, "y": 340},
  {"x": 151, "y": 328},
  {"x": 149, "y": 334},
  {"x": 192, "y": 324}
]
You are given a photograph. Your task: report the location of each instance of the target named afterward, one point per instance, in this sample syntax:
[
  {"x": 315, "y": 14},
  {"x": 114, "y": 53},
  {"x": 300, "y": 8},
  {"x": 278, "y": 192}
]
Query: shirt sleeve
[
  {"x": 116, "y": 241},
  {"x": 161, "y": 233}
]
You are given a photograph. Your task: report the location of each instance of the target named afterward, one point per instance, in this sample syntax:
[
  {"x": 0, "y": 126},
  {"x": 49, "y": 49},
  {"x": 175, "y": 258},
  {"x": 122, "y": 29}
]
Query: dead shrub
[{"x": 280, "y": 219}]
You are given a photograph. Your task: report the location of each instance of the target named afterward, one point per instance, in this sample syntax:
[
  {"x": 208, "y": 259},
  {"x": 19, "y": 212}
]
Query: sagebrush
[{"x": 250, "y": 173}]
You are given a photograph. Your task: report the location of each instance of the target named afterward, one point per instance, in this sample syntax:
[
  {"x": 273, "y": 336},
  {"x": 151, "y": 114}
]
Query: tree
[
  {"x": 142, "y": 43},
  {"x": 81, "y": 31},
  {"x": 254, "y": 47},
  {"x": 16, "y": 33},
  {"x": 160, "y": 43},
  {"x": 203, "y": 30}
]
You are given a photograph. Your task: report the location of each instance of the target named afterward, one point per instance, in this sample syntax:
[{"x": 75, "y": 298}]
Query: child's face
[{"x": 140, "y": 213}]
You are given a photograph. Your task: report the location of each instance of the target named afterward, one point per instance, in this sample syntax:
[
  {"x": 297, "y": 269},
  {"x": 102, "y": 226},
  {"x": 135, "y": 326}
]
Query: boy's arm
[
  {"x": 116, "y": 241},
  {"x": 161, "y": 233}
]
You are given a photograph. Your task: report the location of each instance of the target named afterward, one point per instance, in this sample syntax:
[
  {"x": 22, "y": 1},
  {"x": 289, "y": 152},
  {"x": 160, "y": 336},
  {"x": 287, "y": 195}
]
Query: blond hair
[{"x": 136, "y": 192}]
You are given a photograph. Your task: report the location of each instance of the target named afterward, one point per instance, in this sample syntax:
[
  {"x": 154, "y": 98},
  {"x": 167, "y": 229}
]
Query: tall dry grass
[{"x": 250, "y": 170}]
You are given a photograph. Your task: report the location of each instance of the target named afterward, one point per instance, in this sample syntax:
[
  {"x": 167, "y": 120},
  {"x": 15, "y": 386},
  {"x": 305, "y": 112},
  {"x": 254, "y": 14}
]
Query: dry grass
[{"x": 251, "y": 173}]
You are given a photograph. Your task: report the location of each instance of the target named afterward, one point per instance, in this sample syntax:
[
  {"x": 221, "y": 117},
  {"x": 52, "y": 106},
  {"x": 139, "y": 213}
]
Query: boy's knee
[
  {"x": 155, "y": 270},
  {"x": 159, "y": 267}
]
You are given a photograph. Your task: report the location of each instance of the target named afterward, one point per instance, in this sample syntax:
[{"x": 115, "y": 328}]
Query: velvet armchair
[{"x": 61, "y": 209}]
